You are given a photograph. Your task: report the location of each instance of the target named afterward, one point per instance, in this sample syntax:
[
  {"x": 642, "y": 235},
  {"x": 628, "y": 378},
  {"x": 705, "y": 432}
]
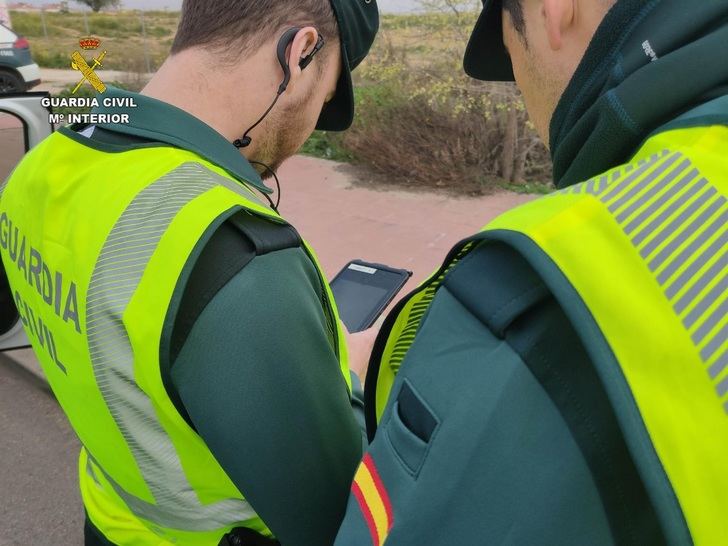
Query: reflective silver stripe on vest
[
  {"x": 678, "y": 221},
  {"x": 116, "y": 276},
  {"x": 407, "y": 337}
]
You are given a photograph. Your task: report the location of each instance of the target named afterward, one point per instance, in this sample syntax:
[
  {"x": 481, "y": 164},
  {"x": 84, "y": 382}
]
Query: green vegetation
[
  {"x": 327, "y": 146},
  {"x": 120, "y": 34},
  {"x": 538, "y": 188},
  {"x": 421, "y": 122}
]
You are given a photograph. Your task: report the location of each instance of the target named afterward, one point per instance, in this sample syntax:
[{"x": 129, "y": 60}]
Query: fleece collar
[{"x": 648, "y": 63}]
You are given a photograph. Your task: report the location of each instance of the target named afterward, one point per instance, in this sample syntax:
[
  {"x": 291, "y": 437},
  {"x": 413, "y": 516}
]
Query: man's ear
[
  {"x": 558, "y": 16},
  {"x": 302, "y": 45}
]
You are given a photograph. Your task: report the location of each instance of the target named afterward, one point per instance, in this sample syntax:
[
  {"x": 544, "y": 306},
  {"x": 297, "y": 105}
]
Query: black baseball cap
[
  {"x": 358, "y": 25},
  {"x": 486, "y": 57}
]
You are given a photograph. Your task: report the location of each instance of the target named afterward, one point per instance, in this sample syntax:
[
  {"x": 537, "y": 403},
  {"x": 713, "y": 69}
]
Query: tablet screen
[{"x": 362, "y": 291}]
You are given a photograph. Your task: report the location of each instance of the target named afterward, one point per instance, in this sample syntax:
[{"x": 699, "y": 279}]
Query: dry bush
[
  {"x": 414, "y": 143},
  {"x": 422, "y": 122}
]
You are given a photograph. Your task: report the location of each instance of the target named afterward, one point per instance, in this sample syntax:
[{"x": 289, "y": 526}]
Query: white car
[
  {"x": 24, "y": 122},
  {"x": 18, "y": 72}
]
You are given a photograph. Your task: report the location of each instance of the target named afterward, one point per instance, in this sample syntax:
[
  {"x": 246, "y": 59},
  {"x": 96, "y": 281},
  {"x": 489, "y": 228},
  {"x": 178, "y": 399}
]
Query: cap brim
[
  {"x": 338, "y": 113},
  {"x": 486, "y": 57}
]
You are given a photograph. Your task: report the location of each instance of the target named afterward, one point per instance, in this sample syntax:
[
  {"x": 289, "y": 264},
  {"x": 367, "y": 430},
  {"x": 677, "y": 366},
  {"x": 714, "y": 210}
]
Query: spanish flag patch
[{"x": 373, "y": 500}]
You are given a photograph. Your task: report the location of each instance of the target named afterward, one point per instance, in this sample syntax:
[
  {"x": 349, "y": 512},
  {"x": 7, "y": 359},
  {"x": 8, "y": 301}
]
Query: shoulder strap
[
  {"x": 508, "y": 295},
  {"x": 498, "y": 286},
  {"x": 219, "y": 257},
  {"x": 232, "y": 246}
]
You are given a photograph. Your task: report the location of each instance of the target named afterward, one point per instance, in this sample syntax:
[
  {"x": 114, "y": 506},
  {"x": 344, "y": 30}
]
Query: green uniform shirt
[{"x": 259, "y": 381}]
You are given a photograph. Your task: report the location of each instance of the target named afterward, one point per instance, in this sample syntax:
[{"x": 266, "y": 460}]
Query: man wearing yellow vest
[
  {"x": 185, "y": 328},
  {"x": 563, "y": 378}
]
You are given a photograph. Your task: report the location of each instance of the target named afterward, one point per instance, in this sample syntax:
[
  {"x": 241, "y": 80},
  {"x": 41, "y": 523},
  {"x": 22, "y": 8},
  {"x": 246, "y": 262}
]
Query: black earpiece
[{"x": 283, "y": 43}]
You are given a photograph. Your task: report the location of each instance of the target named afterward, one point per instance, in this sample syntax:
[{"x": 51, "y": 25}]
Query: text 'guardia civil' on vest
[{"x": 50, "y": 285}]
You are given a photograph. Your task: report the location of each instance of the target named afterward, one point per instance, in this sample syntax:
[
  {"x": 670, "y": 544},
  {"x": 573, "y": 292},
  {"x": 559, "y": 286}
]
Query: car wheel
[{"x": 10, "y": 83}]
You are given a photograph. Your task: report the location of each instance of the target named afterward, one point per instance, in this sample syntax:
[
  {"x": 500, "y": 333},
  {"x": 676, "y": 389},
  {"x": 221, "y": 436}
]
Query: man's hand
[{"x": 360, "y": 349}]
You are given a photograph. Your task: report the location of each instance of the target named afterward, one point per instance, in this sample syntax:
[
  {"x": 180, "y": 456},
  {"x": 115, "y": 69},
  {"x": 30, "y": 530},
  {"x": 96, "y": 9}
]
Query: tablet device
[{"x": 363, "y": 290}]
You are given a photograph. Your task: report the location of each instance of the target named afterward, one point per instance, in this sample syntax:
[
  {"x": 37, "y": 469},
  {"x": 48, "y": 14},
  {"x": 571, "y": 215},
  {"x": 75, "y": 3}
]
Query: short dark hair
[
  {"x": 515, "y": 10},
  {"x": 222, "y": 25}
]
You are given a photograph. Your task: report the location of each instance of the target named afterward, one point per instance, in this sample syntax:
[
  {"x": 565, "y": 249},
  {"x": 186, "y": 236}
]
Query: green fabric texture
[
  {"x": 155, "y": 120},
  {"x": 501, "y": 466},
  {"x": 714, "y": 112},
  {"x": 265, "y": 392},
  {"x": 108, "y": 141},
  {"x": 128, "y": 141},
  {"x": 165, "y": 360},
  {"x": 649, "y": 62},
  {"x": 357, "y": 406},
  {"x": 636, "y": 437}
]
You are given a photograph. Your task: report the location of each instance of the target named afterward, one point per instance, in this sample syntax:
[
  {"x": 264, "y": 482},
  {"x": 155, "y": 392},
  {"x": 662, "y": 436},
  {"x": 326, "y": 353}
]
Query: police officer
[
  {"x": 184, "y": 326},
  {"x": 563, "y": 379}
]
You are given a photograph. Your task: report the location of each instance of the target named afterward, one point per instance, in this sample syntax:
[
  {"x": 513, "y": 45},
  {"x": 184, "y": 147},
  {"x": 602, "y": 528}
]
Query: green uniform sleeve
[
  {"x": 262, "y": 385},
  {"x": 357, "y": 405}
]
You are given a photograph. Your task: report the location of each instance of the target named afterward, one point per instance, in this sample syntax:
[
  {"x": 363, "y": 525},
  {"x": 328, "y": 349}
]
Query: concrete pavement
[
  {"x": 39, "y": 501},
  {"x": 344, "y": 220}
]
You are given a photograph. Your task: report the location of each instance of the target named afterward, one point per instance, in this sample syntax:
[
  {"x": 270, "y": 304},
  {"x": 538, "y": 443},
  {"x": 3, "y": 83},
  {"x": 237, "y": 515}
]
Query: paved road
[
  {"x": 39, "y": 500},
  {"x": 344, "y": 220},
  {"x": 39, "y": 503}
]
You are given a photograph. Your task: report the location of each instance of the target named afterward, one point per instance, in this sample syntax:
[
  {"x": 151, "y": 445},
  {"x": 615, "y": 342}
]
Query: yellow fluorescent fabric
[
  {"x": 93, "y": 266},
  {"x": 645, "y": 247}
]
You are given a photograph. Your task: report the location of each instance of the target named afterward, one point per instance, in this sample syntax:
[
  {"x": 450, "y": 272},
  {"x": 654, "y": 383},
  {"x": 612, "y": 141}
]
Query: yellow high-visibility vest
[
  {"x": 94, "y": 244},
  {"x": 644, "y": 247}
]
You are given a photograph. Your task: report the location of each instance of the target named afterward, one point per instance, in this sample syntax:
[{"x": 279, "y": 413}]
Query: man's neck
[
  {"x": 624, "y": 89},
  {"x": 220, "y": 98}
]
